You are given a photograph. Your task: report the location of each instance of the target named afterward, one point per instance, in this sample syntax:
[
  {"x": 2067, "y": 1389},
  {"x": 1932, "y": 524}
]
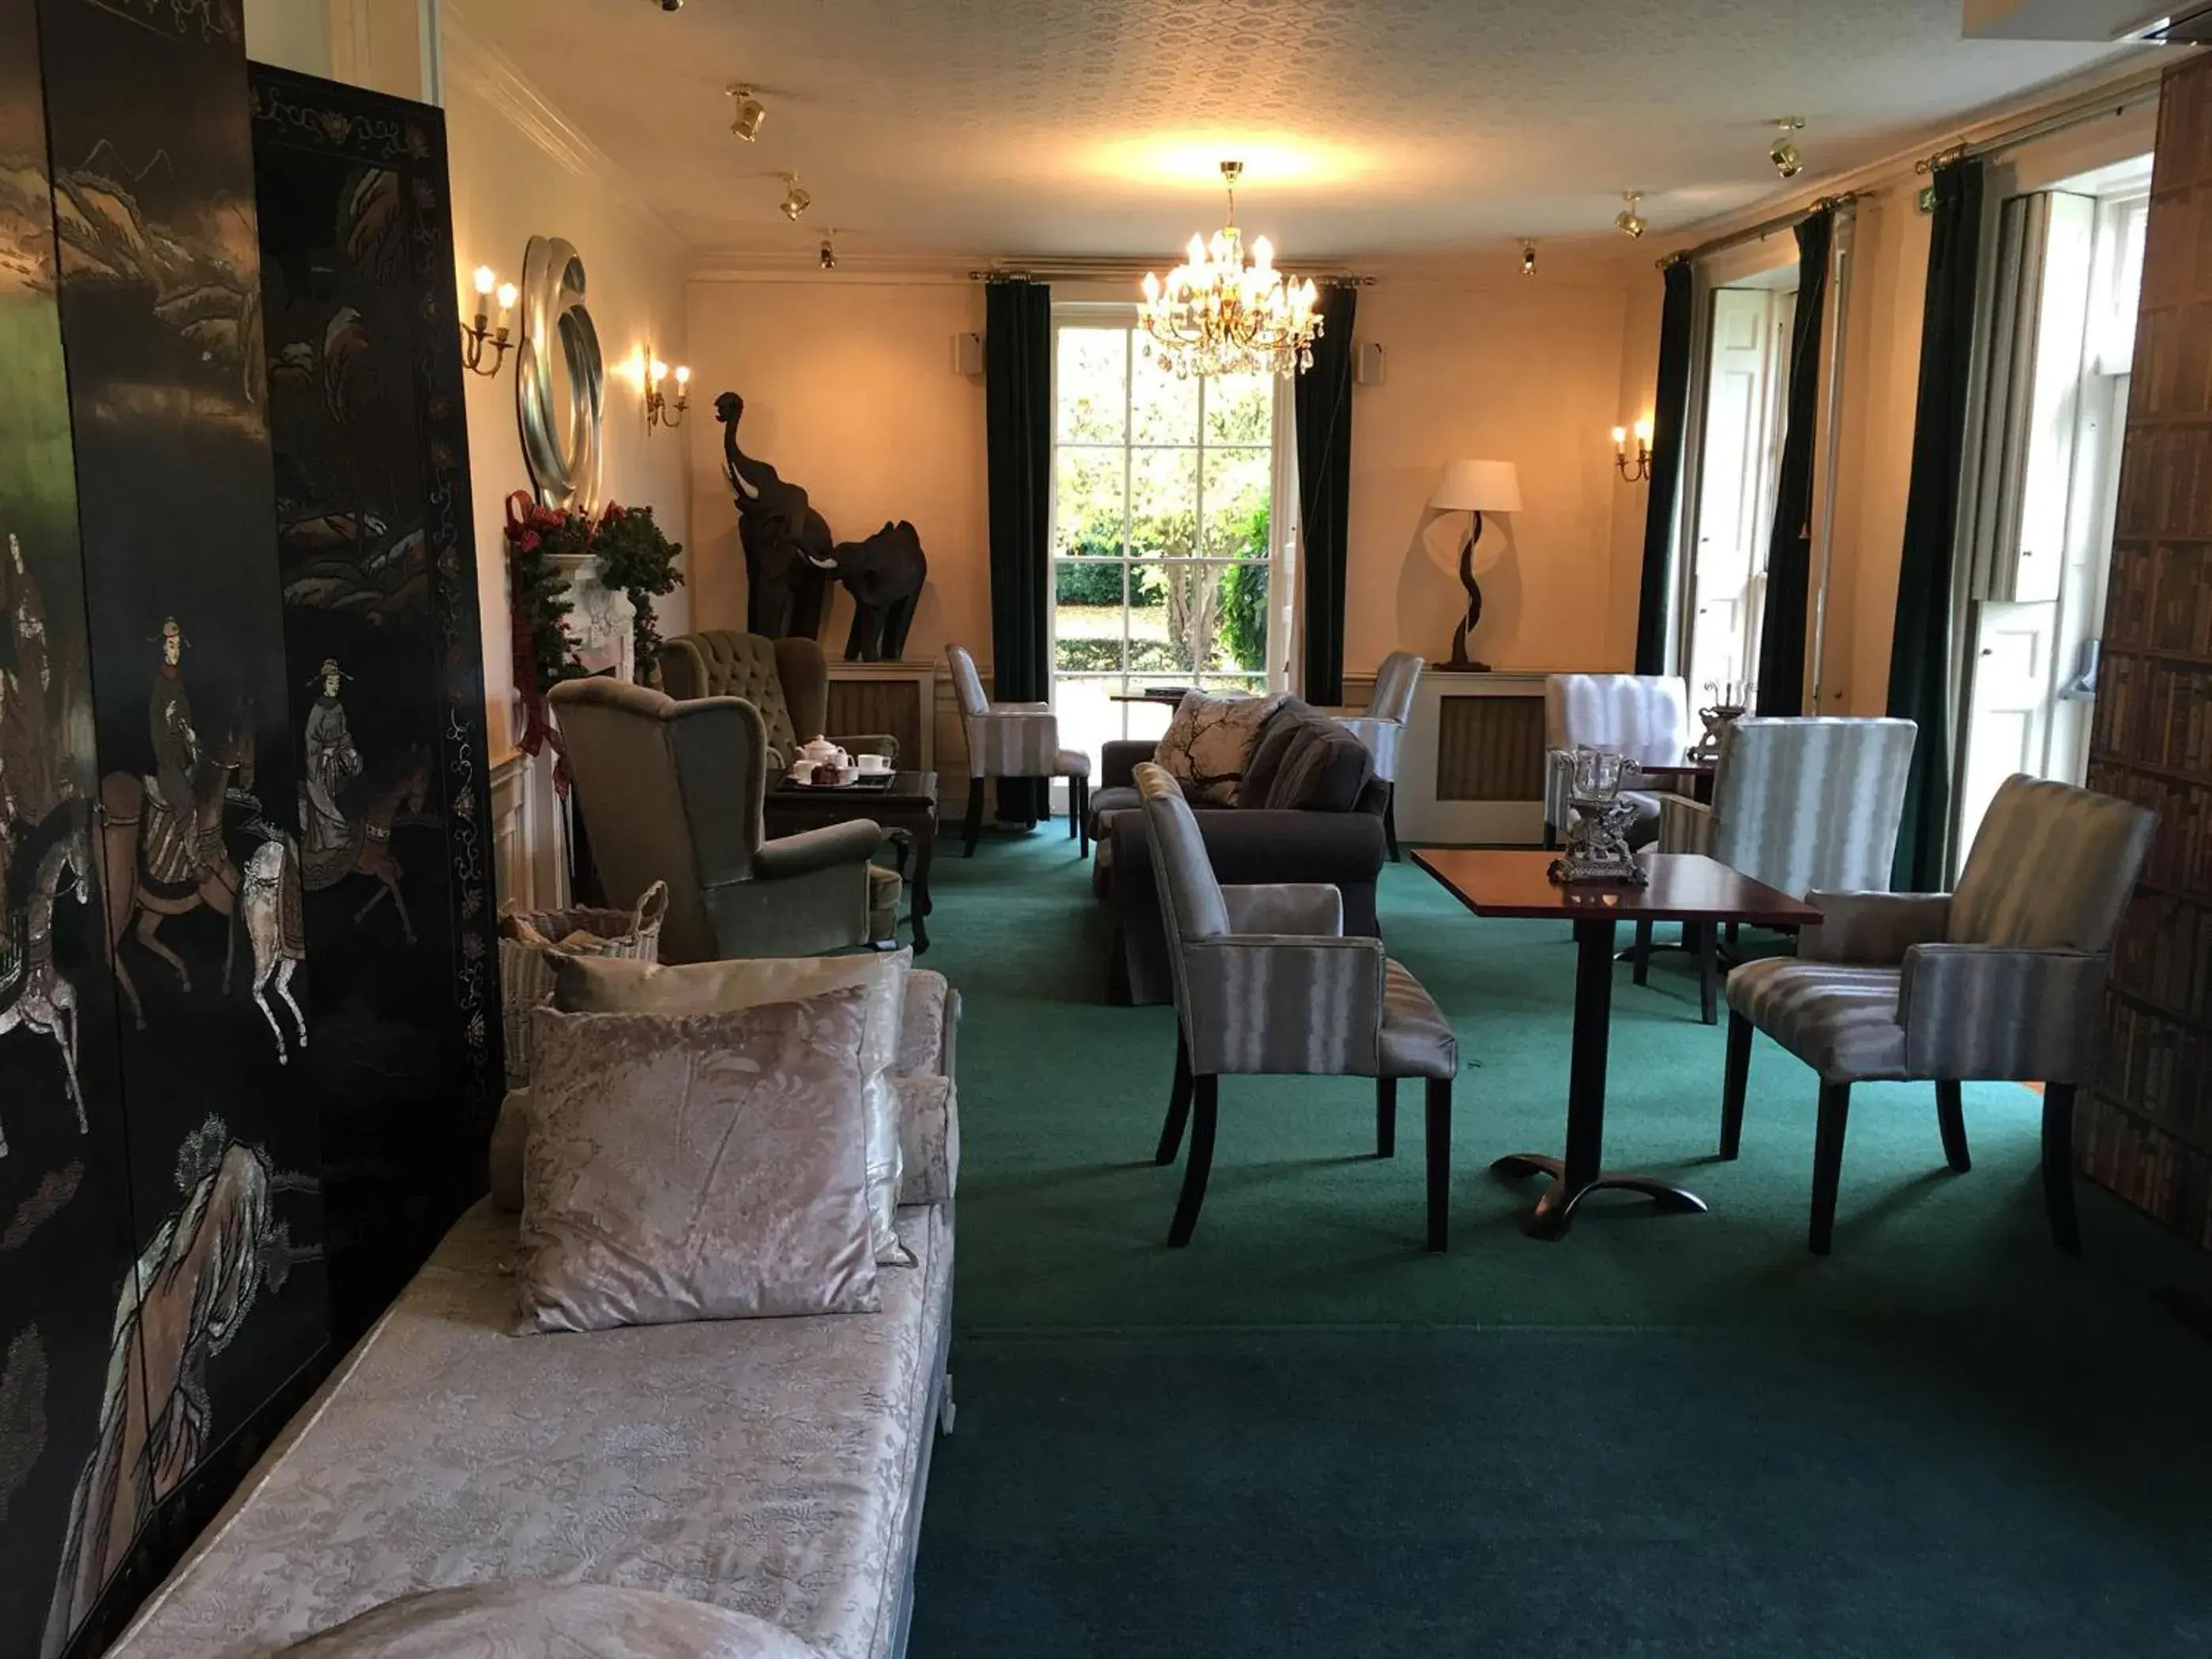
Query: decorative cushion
[
  {"x": 1325, "y": 770},
  {"x": 1840, "y": 1020},
  {"x": 1210, "y": 742},
  {"x": 929, "y": 1139},
  {"x": 1275, "y": 740},
  {"x": 707, "y": 1166},
  {"x": 516, "y": 1619},
  {"x": 721, "y": 987}
]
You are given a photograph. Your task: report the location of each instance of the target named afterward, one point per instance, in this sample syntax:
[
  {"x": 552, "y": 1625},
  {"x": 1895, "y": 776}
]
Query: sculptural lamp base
[{"x": 1461, "y": 663}]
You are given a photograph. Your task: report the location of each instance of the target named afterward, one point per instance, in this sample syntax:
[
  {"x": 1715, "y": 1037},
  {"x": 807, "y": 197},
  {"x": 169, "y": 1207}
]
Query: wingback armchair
[
  {"x": 1645, "y": 717},
  {"x": 1266, "y": 982},
  {"x": 788, "y": 680},
  {"x": 1800, "y": 804},
  {"x": 1998, "y": 980},
  {"x": 1015, "y": 740},
  {"x": 671, "y": 792},
  {"x": 1382, "y": 726}
]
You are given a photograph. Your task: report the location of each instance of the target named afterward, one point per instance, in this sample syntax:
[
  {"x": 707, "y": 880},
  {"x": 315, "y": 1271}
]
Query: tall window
[{"x": 1164, "y": 528}]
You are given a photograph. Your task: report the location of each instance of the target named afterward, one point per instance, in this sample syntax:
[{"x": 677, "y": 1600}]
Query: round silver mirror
[{"x": 560, "y": 378}]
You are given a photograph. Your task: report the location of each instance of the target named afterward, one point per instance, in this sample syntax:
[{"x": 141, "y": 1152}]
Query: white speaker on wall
[
  {"x": 968, "y": 354},
  {"x": 1367, "y": 363}
]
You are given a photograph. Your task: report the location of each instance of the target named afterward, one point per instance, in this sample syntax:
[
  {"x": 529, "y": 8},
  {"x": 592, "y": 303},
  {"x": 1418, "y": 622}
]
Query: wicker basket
[{"x": 531, "y": 942}]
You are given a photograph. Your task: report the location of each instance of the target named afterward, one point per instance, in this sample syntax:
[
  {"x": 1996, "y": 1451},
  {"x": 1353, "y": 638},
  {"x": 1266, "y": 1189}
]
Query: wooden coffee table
[
  {"x": 906, "y": 808},
  {"x": 1684, "y": 887}
]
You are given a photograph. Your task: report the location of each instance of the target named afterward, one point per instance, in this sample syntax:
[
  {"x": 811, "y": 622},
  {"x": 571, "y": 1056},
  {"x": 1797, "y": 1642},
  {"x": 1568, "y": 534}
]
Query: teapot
[{"x": 820, "y": 751}]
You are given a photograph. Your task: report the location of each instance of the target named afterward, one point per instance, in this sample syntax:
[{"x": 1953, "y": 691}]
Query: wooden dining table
[{"x": 1686, "y": 887}]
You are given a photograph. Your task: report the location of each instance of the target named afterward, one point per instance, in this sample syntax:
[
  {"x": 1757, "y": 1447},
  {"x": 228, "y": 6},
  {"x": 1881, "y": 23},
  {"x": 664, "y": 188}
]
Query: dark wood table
[
  {"x": 906, "y": 808},
  {"x": 1164, "y": 699},
  {"x": 1692, "y": 778},
  {"x": 1684, "y": 887}
]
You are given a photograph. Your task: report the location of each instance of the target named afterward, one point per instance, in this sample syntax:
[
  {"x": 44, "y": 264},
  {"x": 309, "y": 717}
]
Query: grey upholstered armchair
[
  {"x": 1267, "y": 983},
  {"x": 672, "y": 791},
  {"x": 1801, "y": 805},
  {"x": 1382, "y": 726},
  {"x": 1015, "y": 740},
  {"x": 786, "y": 679},
  {"x": 1999, "y": 980},
  {"x": 1645, "y": 717}
]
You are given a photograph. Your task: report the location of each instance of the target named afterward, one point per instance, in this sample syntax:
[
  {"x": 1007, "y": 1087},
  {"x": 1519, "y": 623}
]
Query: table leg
[{"x": 1583, "y": 1171}]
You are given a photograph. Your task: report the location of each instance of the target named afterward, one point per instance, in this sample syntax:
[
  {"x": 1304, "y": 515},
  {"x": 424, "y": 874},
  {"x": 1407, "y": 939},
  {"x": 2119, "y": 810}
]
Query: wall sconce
[
  {"x": 660, "y": 410},
  {"x": 1636, "y": 468},
  {"x": 479, "y": 336}
]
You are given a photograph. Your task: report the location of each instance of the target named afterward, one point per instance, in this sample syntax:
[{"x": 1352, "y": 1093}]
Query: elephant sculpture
[
  {"x": 787, "y": 544},
  {"x": 884, "y": 574}
]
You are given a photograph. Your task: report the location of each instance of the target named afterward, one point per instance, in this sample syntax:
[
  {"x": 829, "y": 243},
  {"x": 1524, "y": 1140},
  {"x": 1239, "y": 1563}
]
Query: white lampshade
[{"x": 1478, "y": 487}]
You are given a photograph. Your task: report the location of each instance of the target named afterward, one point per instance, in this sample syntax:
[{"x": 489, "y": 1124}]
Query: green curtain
[
  {"x": 1789, "y": 552},
  {"x": 1669, "y": 413},
  {"x": 1920, "y": 641},
  {"x": 1018, "y": 415},
  {"x": 1322, "y": 400}
]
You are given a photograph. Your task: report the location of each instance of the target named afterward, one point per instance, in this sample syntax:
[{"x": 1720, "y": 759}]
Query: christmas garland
[{"x": 635, "y": 557}]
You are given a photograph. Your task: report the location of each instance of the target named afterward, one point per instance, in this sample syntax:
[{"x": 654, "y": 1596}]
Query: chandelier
[{"x": 1219, "y": 314}]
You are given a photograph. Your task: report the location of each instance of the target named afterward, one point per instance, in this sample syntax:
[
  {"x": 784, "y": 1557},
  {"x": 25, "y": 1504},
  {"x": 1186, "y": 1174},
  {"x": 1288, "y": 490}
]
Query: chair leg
[
  {"x": 1643, "y": 973},
  {"x": 1733, "y": 1082},
  {"x": 1390, "y": 822},
  {"x": 1082, "y": 820},
  {"x": 1204, "y": 1096},
  {"x": 1178, "y": 1105},
  {"x": 2058, "y": 1166},
  {"x": 1386, "y": 1117},
  {"x": 1708, "y": 972},
  {"x": 1951, "y": 1120},
  {"x": 1828, "y": 1164},
  {"x": 974, "y": 828},
  {"x": 1439, "y": 1149},
  {"x": 1074, "y": 808}
]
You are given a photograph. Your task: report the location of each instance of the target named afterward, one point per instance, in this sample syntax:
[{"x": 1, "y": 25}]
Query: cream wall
[
  {"x": 519, "y": 170},
  {"x": 850, "y": 392}
]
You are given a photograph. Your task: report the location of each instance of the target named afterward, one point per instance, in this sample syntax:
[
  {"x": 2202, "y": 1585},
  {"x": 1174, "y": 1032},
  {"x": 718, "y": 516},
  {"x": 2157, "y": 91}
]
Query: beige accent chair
[
  {"x": 1015, "y": 740},
  {"x": 1267, "y": 984},
  {"x": 1382, "y": 726},
  {"x": 672, "y": 791},
  {"x": 788, "y": 680}
]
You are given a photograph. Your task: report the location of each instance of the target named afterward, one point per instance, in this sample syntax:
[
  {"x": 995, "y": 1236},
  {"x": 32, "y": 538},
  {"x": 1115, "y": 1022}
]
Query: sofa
[
  {"x": 1309, "y": 809},
  {"x": 774, "y": 1467}
]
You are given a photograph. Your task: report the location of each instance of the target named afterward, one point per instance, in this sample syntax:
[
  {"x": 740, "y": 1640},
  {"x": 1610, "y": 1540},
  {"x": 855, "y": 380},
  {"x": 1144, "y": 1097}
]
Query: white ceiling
[{"x": 1032, "y": 128}]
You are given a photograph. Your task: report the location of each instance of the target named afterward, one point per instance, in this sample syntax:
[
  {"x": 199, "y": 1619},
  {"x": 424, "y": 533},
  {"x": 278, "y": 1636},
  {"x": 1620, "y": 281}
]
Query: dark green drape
[
  {"x": 1669, "y": 413},
  {"x": 1322, "y": 398},
  {"x": 1018, "y": 417},
  {"x": 1789, "y": 552},
  {"x": 1920, "y": 643}
]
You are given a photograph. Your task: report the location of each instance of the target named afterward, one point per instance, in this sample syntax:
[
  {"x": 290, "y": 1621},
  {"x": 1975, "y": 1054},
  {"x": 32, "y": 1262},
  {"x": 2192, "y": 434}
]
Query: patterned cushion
[
  {"x": 712, "y": 1166},
  {"x": 526, "y": 1619},
  {"x": 1326, "y": 769},
  {"x": 929, "y": 1139},
  {"x": 1840, "y": 1020},
  {"x": 1276, "y": 738},
  {"x": 1210, "y": 742}
]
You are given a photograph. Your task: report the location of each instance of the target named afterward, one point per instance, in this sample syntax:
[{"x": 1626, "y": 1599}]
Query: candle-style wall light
[
  {"x": 660, "y": 410},
  {"x": 483, "y": 345},
  {"x": 1633, "y": 468}
]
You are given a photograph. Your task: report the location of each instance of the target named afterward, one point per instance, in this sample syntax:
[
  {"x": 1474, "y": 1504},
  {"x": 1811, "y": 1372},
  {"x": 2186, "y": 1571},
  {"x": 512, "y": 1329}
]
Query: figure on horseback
[
  {"x": 35, "y": 997},
  {"x": 359, "y": 844}
]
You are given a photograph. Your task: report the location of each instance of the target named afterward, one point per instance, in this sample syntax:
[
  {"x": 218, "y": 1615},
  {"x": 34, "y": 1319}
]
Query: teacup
[{"x": 872, "y": 765}]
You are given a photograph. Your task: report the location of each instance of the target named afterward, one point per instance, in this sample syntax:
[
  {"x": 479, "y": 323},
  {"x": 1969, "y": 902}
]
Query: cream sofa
[{"x": 771, "y": 1467}]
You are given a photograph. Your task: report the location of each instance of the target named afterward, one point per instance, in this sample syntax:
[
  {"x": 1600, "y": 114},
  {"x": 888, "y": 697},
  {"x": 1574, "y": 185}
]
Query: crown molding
[{"x": 469, "y": 60}]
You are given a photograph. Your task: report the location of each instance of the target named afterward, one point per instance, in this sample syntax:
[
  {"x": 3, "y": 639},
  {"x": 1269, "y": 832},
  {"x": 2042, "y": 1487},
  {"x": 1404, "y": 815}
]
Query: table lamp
[{"x": 1475, "y": 487}]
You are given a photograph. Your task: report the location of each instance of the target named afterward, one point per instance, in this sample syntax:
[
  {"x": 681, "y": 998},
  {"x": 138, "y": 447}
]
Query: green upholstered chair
[
  {"x": 788, "y": 680},
  {"x": 1267, "y": 983},
  {"x": 671, "y": 792},
  {"x": 1998, "y": 981}
]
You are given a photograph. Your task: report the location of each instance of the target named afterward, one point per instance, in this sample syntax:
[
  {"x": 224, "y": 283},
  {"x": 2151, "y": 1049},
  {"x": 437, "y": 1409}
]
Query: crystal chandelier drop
[{"x": 1218, "y": 314}]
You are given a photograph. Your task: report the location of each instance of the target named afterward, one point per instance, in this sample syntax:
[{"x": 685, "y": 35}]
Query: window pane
[
  {"x": 1088, "y": 716},
  {"x": 1086, "y": 584},
  {"x": 1241, "y": 632},
  {"x": 1093, "y": 653},
  {"x": 1240, "y": 409},
  {"x": 1149, "y": 653},
  {"x": 1192, "y": 616},
  {"x": 1162, "y": 409},
  {"x": 1087, "y": 511},
  {"x": 1093, "y": 390},
  {"x": 1163, "y": 503},
  {"x": 1236, "y": 492}
]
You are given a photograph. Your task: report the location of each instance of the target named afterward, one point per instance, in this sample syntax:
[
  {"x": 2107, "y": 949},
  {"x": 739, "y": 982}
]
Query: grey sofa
[
  {"x": 771, "y": 1467},
  {"x": 1309, "y": 811}
]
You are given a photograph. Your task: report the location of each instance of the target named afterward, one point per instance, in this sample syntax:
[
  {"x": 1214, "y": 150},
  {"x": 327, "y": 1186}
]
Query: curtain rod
[
  {"x": 1130, "y": 269},
  {"x": 2114, "y": 101},
  {"x": 1764, "y": 228}
]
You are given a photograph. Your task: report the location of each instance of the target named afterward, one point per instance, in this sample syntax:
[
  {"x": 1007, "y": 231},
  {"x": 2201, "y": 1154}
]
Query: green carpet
[{"x": 1303, "y": 1434}]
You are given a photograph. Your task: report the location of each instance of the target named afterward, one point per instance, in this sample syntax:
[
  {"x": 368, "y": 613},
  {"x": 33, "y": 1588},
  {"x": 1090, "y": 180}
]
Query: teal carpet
[{"x": 1662, "y": 1435}]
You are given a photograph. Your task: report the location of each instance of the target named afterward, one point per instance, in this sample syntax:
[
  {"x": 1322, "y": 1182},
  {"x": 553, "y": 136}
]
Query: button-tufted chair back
[{"x": 788, "y": 680}]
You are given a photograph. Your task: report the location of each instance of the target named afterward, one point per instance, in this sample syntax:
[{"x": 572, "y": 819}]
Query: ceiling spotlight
[
  {"x": 1787, "y": 161},
  {"x": 1628, "y": 220},
  {"x": 828, "y": 257},
  {"x": 746, "y": 118},
  {"x": 795, "y": 201},
  {"x": 1528, "y": 258}
]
